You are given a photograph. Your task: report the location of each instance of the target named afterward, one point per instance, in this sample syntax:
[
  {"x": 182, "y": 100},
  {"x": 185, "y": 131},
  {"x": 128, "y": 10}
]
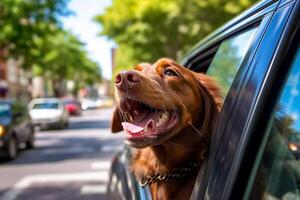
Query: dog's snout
[
  {"x": 118, "y": 79},
  {"x": 132, "y": 76},
  {"x": 127, "y": 79}
]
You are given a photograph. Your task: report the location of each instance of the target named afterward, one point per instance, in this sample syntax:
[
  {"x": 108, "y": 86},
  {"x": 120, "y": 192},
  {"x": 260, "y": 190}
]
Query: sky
[{"x": 81, "y": 24}]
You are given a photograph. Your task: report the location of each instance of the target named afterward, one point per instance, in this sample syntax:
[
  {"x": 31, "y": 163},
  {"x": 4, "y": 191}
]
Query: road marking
[
  {"x": 71, "y": 150},
  {"x": 101, "y": 165},
  {"x": 93, "y": 189},
  {"x": 16, "y": 190},
  {"x": 24, "y": 183}
]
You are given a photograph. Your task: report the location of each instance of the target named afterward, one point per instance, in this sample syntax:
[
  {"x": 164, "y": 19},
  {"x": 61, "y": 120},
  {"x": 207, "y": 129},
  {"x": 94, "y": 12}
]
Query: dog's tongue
[
  {"x": 142, "y": 122},
  {"x": 131, "y": 127}
]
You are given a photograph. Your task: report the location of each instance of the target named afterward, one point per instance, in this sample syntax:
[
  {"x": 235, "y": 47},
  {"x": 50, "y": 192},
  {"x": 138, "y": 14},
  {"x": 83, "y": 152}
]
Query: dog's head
[{"x": 156, "y": 102}]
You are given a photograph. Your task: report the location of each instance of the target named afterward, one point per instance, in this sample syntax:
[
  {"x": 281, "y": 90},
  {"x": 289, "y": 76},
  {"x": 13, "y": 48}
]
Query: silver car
[{"x": 48, "y": 113}]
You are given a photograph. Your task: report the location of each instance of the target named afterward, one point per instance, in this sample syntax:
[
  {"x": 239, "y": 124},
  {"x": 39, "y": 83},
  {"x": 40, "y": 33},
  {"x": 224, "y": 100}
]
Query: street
[{"x": 65, "y": 164}]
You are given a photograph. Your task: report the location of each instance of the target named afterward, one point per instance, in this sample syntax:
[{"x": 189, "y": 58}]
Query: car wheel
[
  {"x": 61, "y": 125},
  {"x": 12, "y": 148},
  {"x": 30, "y": 142}
]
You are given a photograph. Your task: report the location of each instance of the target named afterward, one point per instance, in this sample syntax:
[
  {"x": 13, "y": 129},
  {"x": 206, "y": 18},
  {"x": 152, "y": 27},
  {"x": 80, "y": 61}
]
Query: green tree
[
  {"x": 22, "y": 22},
  {"x": 61, "y": 57},
  {"x": 150, "y": 29},
  {"x": 31, "y": 30}
]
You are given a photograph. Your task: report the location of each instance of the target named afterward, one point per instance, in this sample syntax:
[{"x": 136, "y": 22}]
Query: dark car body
[
  {"x": 241, "y": 162},
  {"x": 16, "y": 128}
]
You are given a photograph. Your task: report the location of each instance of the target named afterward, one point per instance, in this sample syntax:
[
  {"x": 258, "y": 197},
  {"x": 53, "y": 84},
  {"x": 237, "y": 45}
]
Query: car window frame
[
  {"x": 265, "y": 16},
  {"x": 293, "y": 36},
  {"x": 217, "y": 186},
  {"x": 260, "y": 19},
  {"x": 283, "y": 78},
  {"x": 261, "y": 23}
]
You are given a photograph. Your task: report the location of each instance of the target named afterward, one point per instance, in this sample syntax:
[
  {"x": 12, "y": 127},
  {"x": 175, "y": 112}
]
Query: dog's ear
[
  {"x": 116, "y": 125},
  {"x": 211, "y": 87},
  {"x": 212, "y": 100}
]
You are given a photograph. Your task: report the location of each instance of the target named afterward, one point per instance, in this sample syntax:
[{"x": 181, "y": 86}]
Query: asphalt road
[{"x": 66, "y": 164}]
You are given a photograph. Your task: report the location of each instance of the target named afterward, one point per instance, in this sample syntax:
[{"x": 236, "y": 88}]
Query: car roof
[{"x": 45, "y": 100}]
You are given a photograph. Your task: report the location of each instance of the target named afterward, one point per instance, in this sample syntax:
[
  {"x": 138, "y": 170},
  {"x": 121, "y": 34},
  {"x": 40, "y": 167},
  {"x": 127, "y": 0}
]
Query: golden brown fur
[{"x": 196, "y": 99}]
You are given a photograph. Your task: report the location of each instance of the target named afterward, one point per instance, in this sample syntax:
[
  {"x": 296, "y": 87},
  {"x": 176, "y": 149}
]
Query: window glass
[
  {"x": 45, "y": 106},
  {"x": 228, "y": 59},
  {"x": 278, "y": 174},
  {"x": 4, "y": 110}
]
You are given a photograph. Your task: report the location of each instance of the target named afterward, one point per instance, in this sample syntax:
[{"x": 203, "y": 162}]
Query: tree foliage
[
  {"x": 150, "y": 29},
  {"x": 31, "y": 30},
  {"x": 22, "y": 22},
  {"x": 65, "y": 58},
  {"x": 62, "y": 57}
]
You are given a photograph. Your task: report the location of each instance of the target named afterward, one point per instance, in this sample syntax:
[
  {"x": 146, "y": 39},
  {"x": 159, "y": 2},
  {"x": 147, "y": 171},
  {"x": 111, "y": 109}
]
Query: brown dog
[{"x": 168, "y": 114}]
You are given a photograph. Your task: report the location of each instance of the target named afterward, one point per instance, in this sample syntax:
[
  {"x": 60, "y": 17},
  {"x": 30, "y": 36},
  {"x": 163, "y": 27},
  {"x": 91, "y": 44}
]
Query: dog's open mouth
[{"x": 147, "y": 121}]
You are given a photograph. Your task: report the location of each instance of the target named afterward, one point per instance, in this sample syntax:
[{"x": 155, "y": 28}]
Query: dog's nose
[{"x": 127, "y": 79}]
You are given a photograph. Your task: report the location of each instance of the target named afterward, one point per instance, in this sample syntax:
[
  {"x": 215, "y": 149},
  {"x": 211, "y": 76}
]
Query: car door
[
  {"x": 239, "y": 132},
  {"x": 21, "y": 121},
  {"x": 276, "y": 173}
]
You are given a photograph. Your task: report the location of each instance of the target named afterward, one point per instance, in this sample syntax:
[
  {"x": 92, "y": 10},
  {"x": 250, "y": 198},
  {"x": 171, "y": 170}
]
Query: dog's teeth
[
  {"x": 136, "y": 112},
  {"x": 135, "y": 133},
  {"x": 163, "y": 118},
  {"x": 158, "y": 124}
]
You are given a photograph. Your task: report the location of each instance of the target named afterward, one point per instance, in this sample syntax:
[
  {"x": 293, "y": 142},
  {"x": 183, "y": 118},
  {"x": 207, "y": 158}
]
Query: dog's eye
[{"x": 170, "y": 72}]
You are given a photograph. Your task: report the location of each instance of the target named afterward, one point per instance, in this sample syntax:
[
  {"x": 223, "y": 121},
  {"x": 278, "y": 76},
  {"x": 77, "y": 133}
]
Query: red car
[{"x": 72, "y": 106}]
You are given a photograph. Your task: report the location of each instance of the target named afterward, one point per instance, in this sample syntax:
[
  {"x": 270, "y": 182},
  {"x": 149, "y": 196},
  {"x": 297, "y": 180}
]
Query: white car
[
  {"x": 89, "y": 103},
  {"x": 48, "y": 112}
]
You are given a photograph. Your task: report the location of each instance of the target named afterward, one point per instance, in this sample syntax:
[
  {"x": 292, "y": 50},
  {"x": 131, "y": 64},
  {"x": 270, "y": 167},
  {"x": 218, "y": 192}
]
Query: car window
[
  {"x": 228, "y": 59},
  {"x": 45, "y": 106},
  {"x": 5, "y": 110},
  {"x": 278, "y": 174}
]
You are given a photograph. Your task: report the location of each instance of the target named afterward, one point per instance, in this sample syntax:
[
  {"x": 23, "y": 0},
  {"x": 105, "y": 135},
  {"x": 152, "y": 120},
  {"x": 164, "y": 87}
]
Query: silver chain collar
[{"x": 176, "y": 174}]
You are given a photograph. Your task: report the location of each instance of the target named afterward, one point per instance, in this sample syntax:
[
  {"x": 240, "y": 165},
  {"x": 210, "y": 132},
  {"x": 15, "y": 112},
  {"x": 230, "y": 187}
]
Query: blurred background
[{"x": 65, "y": 52}]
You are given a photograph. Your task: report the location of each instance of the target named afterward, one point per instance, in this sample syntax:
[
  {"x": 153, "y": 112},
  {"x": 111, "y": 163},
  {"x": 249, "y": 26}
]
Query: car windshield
[
  {"x": 48, "y": 105},
  {"x": 5, "y": 110}
]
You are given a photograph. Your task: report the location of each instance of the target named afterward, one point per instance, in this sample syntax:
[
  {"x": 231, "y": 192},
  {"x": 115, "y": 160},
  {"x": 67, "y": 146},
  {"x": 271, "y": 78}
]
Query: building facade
[
  {"x": 15, "y": 83},
  {"x": 19, "y": 81}
]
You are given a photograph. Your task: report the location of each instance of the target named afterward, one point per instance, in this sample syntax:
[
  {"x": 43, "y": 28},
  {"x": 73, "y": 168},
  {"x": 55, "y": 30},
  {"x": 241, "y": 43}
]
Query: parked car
[
  {"x": 48, "y": 113},
  {"x": 15, "y": 128},
  {"x": 89, "y": 103},
  {"x": 73, "y": 106},
  {"x": 105, "y": 101},
  {"x": 255, "y": 58}
]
